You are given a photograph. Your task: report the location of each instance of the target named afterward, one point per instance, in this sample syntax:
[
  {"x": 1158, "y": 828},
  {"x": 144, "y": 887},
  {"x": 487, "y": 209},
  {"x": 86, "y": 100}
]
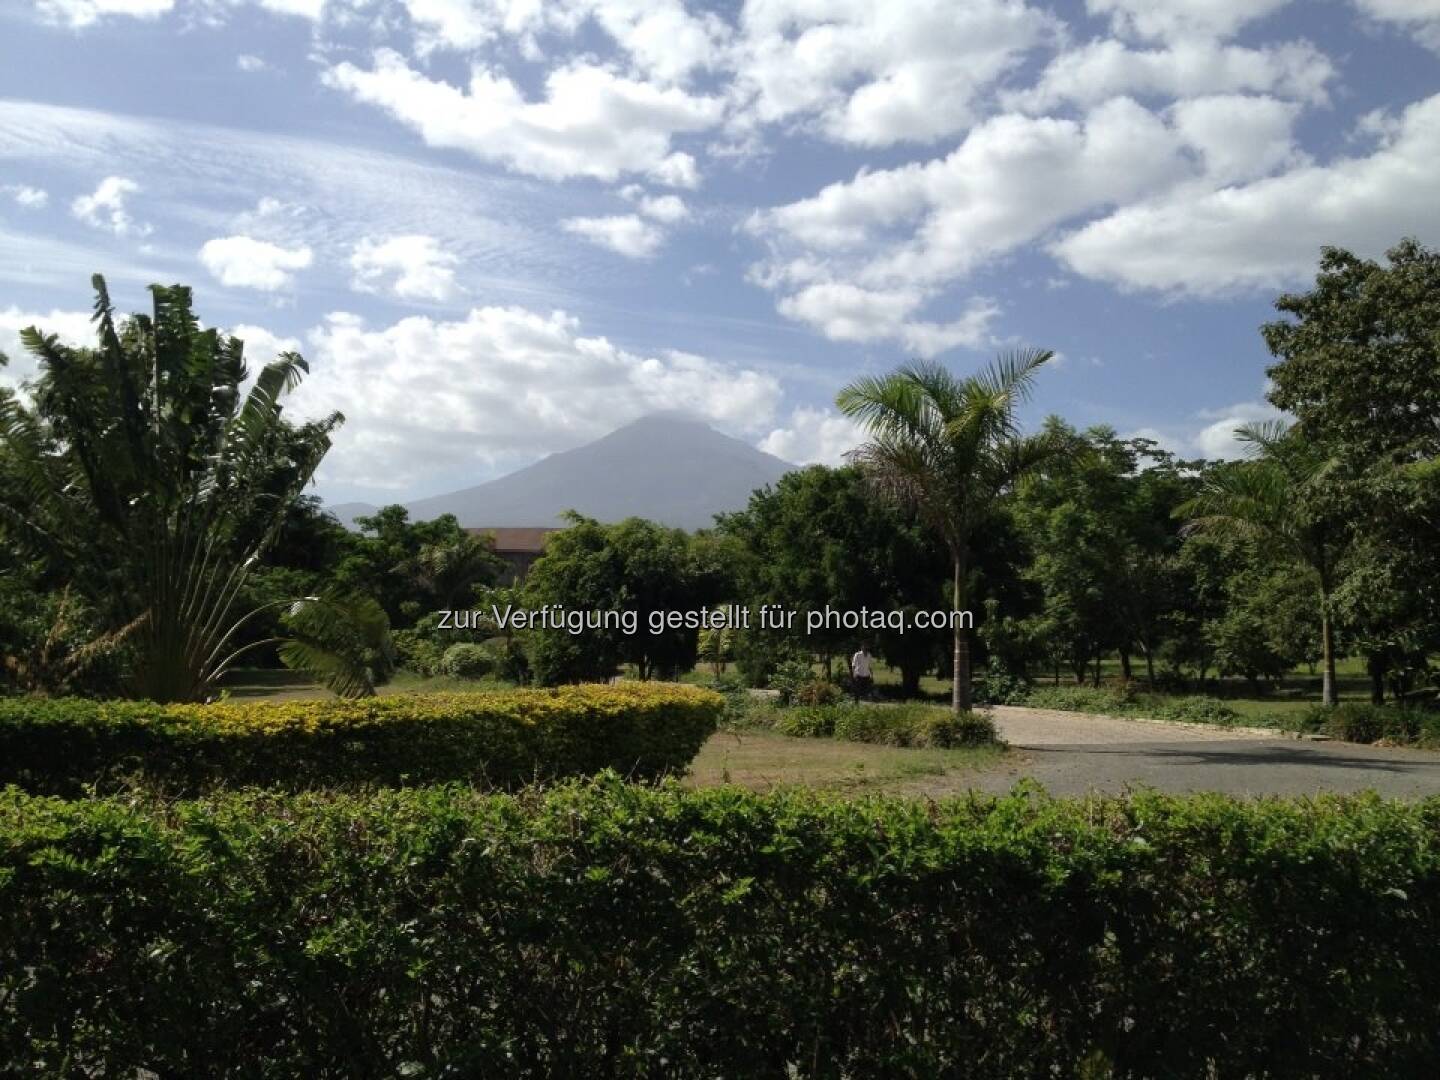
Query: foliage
[
  {"x": 949, "y": 450},
  {"x": 1124, "y": 701},
  {"x": 610, "y": 930},
  {"x": 505, "y": 738},
  {"x": 1364, "y": 722},
  {"x": 888, "y": 725},
  {"x": 142, "y": 480},
  {"x": 789, "y": 677},
  {"x": 465, "y": 660},
  {"x": 818, "y": 692}
]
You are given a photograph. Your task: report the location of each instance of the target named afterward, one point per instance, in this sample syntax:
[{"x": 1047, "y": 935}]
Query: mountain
[{"x": 665, "y": 467}]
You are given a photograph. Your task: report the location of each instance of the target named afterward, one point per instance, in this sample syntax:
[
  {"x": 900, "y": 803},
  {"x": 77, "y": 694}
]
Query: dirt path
[{"x": 1074, "y": 753}]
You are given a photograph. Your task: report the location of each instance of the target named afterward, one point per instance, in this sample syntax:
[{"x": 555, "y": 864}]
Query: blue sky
[{"x": 500, "y": 228}]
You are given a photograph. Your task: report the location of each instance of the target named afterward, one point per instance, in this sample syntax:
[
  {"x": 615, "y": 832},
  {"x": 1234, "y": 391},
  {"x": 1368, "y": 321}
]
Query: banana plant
[{"x": 142, "y": 476}]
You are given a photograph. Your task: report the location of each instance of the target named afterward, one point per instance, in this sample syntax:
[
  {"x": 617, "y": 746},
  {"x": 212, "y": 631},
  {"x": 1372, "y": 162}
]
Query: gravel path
[{"x": 1075, "y": 753}]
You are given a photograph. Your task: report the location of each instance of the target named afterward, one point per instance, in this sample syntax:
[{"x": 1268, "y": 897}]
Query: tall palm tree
[
  {"x": 1270, "y": 499},
  {"x": 949, "y": 448},
  {"x": 144, "y": 479}
]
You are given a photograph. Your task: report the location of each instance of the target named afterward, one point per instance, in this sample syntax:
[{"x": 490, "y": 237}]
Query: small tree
[
  {"x": 950, "y": 448},
  {"x": 142, "y": 478}
]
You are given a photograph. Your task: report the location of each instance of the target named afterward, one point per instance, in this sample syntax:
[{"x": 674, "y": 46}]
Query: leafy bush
[
  {"x": 788, "y": 678},
  {"x": 644, "y": 730},
  {"x": 466, "y": 661},
  {"x": 1195, "y": 709},
  {"x": 417, "y": 653},
  {"x": 1113, "y": 700},
  {"x": 999, "y": 687},
  {"x": 807, "y": 722},
  {"x": 818, "y": 692},
  {"x": 943, "y": 728},
  {"x": 1362, "y": 722},
  {"x": 612, "y": 930}
]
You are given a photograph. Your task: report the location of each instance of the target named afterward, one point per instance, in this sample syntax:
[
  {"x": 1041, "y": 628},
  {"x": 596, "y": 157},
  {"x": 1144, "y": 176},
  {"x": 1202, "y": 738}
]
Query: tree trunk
[
  {"x": 910, "y": 680},
  {"x": 1125, "y": 664},
  {"x": 1375, "y": 664},
  {"x": 1097, "y": 670},
  {"x": 1150, "y": 668},
  {"x": 960, "y": 684},
  {"x": 1327, "y": 646}
]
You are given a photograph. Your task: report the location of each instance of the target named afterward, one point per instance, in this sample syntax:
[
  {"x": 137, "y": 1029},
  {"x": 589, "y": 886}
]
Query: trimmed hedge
[
  {"x": 606, "y": 929},
  {"x": 59, "y": 746}
]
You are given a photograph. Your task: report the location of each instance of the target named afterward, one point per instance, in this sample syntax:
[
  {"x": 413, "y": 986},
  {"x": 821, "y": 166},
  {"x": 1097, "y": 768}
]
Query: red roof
[{"x": 527, "y": 538}]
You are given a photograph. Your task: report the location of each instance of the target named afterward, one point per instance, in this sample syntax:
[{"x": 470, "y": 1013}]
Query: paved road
[{"x": 1074, "y": 753}]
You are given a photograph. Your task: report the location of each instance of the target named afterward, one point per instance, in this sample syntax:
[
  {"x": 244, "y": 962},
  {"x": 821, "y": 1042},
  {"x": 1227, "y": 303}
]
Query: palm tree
[
  {"x": 143, "y": 479},
  {"x": 948, "y": 448},
  {"x": 1269, "y": 499}
]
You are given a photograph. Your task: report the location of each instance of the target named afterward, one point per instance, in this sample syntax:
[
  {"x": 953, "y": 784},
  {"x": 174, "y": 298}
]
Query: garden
[{"x": 266, "y": 812}]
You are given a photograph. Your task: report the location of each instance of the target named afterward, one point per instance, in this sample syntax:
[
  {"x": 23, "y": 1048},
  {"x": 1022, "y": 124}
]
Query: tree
[
  {"x": 145, "y": 481},
  {"x": 1275, "y": 499},
  {"x": 950, "y": 449}
]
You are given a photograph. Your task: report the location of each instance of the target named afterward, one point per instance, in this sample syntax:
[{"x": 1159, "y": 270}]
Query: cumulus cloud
[
  {"x": 410, "y": 267},
  {"x": 1217, "y": 438},
  {"x": 246, "y": 263},
  {"x": 624, "y": 234},
  {"x": 814, "y": 437},
  {"x": 887, "y": 241},
  {"x": 1420, "y": 18},
  {"x": 876, "y": 74},
  {"x": 263, "y": 345},
  {"x": 591, "y": 122},
  {"x": 104, "y": 208},
  {"x": 1268, "y": 233},
  {"x": 1107, "y": 68},
  {"x": 250, "y": 63},
  {"x": 30, "y": 198},
  {"x": 502, "y": 384}
]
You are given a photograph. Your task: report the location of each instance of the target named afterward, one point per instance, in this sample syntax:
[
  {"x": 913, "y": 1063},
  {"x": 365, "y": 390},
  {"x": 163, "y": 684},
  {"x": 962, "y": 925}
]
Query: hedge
[
  {"x": 613, "y": 930},
  {"x": 58, "y": 746}
]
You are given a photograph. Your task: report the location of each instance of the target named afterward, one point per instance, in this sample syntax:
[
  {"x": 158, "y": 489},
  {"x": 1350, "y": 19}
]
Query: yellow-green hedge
[{"x": 643, "y": 730}]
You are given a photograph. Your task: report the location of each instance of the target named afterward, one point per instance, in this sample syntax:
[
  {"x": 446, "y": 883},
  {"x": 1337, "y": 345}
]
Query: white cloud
[
  {"x": 82, "y": 13},
  {"x": 1174, "y": 19},
  {"x": 262, "y": 345},
  {"x": 1418, "y": 17},
  {"x": 814, "y": 437},
  {"x": 505, "y": 383},
  {"x": 72, "y": 327},
  {"x": 246, "y": 263},
  {"x": 1237, "y": 136},
  {"x": 880, "y": 73},
  {"x": 1268, "y": 233},
  {"x": 105, "y": 207},
  {"x": 624, "y": 234},
  {"x": 860, "y": 257},
  {"x": 1102, "y": 69},
  {"x": 846, "y": 312},
  {"x": 249, "y": 63},
  {"x": 591, "y": 122},
  {"x": 1217, "y": 439},
  {"x": 669, "y": 209},
  {"x": 31, "y": 198},
  {"x": 411, "y": 267}
]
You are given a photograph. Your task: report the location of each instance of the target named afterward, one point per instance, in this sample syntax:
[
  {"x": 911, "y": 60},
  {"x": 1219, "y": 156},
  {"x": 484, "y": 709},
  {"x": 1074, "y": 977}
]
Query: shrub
[
  {"x": 414, "y": 652},
  {"x": 611, "y": 930},
  {"x": 467, "y": 661},
  {"x": 788, "y": 677},
  {"x": 645, "y": 730},
  {"x": 1195, "y": 709},
  {"x": 818, "y": 692},
  {"x": 1362, "y": 722},
  {"x": 943, "y": 728},
  {"x": 1082, "y": 698},
  {"x": 999, "y": 687},
  {"x": 807, "y": 722}
]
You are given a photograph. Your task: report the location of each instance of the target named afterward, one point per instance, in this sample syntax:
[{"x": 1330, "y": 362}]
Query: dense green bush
[
  {"x": 1362, "y": 722},
  {"x": 1195, "y": 709},
  {"x": 645, "y": 730},
  {"x": 1124, "y": 701},
  {"x": 818, "y": 692},
  {"x": 1112, "y": 700},
  {"x": 886, "y": 725},
  {"x": 608, "y": 930},
  {"x": 465, "y": 660},
  {"x": 788, "y": 679}
]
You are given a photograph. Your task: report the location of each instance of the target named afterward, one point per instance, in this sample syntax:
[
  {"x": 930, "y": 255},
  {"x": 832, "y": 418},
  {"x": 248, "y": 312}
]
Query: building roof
[{"x": 527, "y": 538}]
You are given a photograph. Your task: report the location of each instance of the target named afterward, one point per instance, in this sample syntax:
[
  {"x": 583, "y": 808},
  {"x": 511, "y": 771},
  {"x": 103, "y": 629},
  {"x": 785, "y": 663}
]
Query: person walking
[{"x": 862, "y": 676}]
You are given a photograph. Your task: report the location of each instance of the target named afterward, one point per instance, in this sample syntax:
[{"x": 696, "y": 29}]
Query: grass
[{"x": 762, "y": 760}]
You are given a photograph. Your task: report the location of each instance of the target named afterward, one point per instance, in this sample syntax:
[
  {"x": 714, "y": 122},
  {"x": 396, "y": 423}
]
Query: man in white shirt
[{"x": 862, "y": 679}]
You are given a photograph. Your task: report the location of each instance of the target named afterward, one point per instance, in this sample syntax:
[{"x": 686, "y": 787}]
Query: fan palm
[
  {"x": 1269, "y": 499},
  {"x": 949, "y": 448},
  {"x": 143, "y": 478}
]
